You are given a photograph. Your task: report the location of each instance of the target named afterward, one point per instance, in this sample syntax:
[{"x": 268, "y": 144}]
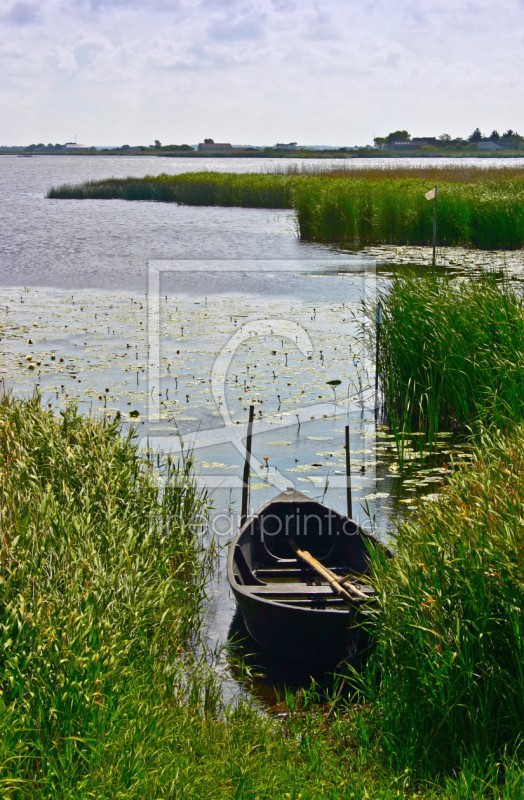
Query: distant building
[
  {"x": 490, "y": 146},
  {"x": 289, "y": 146},
  {"x": 214, "y": 147},
  {"x": 74, "y": 146},
  {"x": 403, "y": 146},
  {"x": 426, "y": 141},
  {"x": 415, "y": 143}
]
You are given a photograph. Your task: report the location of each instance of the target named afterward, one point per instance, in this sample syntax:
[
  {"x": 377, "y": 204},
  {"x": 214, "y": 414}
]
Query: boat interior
[{"x": 266, "y": 566}]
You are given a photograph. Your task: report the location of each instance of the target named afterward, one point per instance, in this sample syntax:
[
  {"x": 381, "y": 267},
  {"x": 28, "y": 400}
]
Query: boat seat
[{"x": 273, "y": 590}]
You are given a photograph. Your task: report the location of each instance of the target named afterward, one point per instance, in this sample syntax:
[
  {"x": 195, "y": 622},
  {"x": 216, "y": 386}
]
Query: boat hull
[
  {"x": 287, "y": 605},
  {"x": 299, "y": 634}
]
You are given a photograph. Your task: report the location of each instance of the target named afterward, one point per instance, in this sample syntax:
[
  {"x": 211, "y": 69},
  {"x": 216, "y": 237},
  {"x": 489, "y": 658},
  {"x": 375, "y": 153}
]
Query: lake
[{"x": 188, "y": 315}]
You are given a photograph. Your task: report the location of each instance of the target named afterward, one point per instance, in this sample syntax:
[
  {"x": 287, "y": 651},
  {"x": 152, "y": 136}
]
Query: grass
[
  {"x": 101, "y": 590},
  {"x": 451, "y": 353},
  {"x": 487, "y": 215},
  {"x": 193, "y": 188},
  {"x": 482, "y": 208},
  {"x": 450, "y": 643},
  {"x": 100, "y": 585}
]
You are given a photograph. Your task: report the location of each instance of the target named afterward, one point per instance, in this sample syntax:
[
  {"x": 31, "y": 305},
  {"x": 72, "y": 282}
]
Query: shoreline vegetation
[
  {"x": 480, "y": 208},
  {"x": 449, "y": 644},
  {"x": 101, "y": 593},
  {"x": 451, "y": 354},
  {"x": 102, "y": 585},
  {"x": 444, "y": 680}
]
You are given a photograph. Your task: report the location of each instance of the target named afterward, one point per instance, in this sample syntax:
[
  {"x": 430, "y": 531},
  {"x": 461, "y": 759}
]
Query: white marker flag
[{"x": 430, "y": 195}]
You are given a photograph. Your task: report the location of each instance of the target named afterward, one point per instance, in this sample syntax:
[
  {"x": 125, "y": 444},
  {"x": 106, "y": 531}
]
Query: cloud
[
  {"x": 321, "y": 28},
  {"x": 21, "y": 14},
  {"x": 236, "y": 27},
  {"x": 337, "y": 71}
]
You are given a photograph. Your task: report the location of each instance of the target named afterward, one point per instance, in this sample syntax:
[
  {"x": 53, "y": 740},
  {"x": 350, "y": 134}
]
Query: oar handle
[{"x": 328, "y": 576}]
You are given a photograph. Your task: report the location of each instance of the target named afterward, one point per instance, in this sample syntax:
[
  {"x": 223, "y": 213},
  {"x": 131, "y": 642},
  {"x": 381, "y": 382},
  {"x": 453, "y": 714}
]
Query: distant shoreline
[{"x": 305, "y": 154}]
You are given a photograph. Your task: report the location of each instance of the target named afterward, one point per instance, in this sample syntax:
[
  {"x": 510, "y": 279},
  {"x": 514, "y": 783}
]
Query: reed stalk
[
  {"x": 446, "y": 678},
  {"x": 452, "y": 354},
  {"x": 476, "y": 208}
]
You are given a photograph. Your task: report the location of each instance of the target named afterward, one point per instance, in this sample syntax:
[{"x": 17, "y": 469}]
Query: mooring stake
[
  {"x": 377, "y": 354},
  {"x": 245, "y": 485},
  {"x": 348, "y": 475}
]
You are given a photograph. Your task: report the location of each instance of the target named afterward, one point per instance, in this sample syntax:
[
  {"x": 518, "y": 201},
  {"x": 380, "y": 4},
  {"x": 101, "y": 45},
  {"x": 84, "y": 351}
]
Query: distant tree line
[
  {"x": 51, "y": 148},
  {"x": 510, "y": 140}
]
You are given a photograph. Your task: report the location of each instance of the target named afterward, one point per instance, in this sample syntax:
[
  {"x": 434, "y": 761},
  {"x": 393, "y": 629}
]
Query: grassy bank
[
  {"x": 477, "y": 208},
  {"x": 450, "y": 645},
  {"x": 100, "y": 599},
  {"x": 100, "y": 590},
  {"x": 451, "y": 353}
]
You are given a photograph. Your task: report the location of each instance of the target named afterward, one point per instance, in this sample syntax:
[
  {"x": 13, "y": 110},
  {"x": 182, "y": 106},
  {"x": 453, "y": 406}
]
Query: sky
[{"x": 337, "y": 72}]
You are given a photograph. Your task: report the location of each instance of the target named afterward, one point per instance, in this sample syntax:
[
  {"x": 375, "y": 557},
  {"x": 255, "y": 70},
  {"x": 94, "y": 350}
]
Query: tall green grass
[
  {"x": 457, "y": 172},
  {"x": 100, "y": 596},
  {"x": 100, "y": 585},
  {"x": 487, "y": 215},
  {"x": 446, "y": 680},
  {"x": 451, "y": 353},
  {"x": 192, "y": 188},
  {"x": 476, "y": 208}
]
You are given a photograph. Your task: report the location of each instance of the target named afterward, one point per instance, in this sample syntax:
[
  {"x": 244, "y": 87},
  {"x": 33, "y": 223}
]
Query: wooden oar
[
  {"x": 345, "y": 580},
  {"x": 325, "y": 573}
]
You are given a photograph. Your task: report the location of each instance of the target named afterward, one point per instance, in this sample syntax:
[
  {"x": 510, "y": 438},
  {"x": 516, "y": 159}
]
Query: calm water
[
  {"x": 246, "y": 313},
  {"x": 107, "y": 244}
]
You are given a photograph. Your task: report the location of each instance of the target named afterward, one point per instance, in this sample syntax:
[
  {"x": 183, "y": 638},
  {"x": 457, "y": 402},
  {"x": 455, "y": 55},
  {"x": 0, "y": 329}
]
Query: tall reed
[
  {"x": 488, "y": 215},
  {"x": 192, "y": 188},
  {"x": 475, "y": 208},
  {"x": 457, "y": 172},
  {"x": 452, "y": 353},
  {"x": 446, "y": 678},
  {"x": 100, "y": 584}
]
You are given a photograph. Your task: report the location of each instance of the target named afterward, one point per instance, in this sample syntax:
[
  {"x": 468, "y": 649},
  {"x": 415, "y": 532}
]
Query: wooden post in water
[
  {"x": 434, "y": 227},
  {"x": 245, "y": 485},
  {"x": 377, "y": 355},
  {"x": 348, "y": 475}
]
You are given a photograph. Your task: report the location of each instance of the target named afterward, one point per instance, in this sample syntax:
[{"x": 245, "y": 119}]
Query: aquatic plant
[
  {"x": 451, "y": 353},
  {"x": 395, "y": 211},
  {"x": 100, "y": 584},
  {"x": 192, "y": 188},
  {"x": 445, "y": 680},
  {"x": 457, "y": 172},
  {"x": 475, "y": 208}
]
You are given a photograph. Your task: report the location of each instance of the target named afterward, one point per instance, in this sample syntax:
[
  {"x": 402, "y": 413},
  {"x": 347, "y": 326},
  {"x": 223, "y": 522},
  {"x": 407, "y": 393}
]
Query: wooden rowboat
[{"x": 284, "y": 567}]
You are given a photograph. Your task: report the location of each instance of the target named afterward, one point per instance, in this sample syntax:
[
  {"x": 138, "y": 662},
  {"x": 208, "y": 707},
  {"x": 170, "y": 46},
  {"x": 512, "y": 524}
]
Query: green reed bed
[
  {"x": 451, "y": 354},
  {"x": 434, "y": 173},
  {"x": 193, "y": 188},
  {"x": 446, "y": 681},
  {"x": 101, "y": 590},
  {"x": 100, "y": 586},
  {"x": 487, "y": 215},
  {"x": 476, "y": 208}
]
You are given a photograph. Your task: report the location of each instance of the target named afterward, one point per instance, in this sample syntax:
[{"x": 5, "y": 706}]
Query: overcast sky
[{"x": 335, "y": 72}]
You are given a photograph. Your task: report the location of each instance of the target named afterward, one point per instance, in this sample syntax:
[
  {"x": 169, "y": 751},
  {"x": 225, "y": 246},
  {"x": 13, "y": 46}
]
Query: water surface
[{"x": 74, "y": 311}]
